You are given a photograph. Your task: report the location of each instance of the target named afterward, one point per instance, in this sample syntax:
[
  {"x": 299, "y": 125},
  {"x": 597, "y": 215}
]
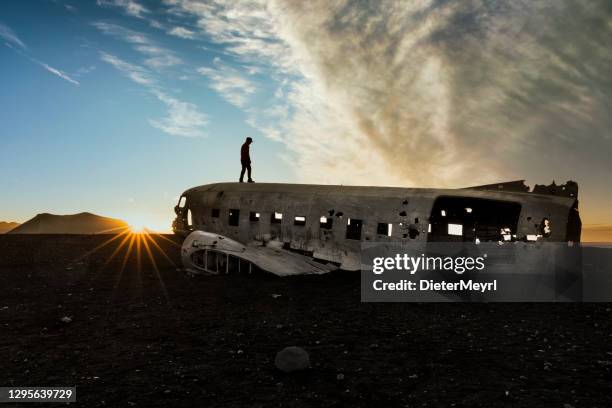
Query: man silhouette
[{"x": 245, "y": 159}]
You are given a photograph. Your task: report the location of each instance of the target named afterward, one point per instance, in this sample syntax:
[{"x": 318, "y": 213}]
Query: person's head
[{"x": 249, "y": 140}]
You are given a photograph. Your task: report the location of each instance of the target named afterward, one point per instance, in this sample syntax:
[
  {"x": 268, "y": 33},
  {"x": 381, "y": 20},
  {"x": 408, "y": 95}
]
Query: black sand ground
[{"x": 139, "y": 339}]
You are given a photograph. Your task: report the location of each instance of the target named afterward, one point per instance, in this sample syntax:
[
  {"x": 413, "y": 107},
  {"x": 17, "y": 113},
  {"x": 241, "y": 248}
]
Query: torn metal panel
[
  {"x": 518, "y": 186},
  {"x": 569, "y": 189},
  {"x": 325, "y": 225},
  {"x": 204, "y": 252}
]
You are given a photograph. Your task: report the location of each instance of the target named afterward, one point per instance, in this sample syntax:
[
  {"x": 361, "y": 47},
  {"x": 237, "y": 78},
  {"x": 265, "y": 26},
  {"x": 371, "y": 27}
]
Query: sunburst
[{"x": 134, "y": 242}]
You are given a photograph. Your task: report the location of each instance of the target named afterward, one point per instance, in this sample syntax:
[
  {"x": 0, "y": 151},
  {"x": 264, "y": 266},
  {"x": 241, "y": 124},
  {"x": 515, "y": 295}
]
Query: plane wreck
[{"x": 291, "y": 229}]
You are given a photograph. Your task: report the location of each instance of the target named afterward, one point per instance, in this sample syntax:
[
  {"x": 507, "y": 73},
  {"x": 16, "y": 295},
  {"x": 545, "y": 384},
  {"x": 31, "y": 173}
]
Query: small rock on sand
[{"x": 292, "y": 359}]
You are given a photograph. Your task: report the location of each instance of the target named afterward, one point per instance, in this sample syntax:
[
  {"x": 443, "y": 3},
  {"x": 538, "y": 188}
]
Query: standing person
[{"x": 245, "y": 159}]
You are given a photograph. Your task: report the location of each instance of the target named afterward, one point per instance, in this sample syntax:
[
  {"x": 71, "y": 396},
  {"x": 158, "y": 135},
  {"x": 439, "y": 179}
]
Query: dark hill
[{"x": 83, "y": 223}]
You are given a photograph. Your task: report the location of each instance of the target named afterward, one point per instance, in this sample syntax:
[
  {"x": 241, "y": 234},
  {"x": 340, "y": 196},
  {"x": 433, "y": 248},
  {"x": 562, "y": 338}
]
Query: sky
[{"x": 117, "y": 106}]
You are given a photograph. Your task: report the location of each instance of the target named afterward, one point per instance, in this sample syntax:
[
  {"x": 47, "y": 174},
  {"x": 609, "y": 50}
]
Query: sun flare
[
  {"x": 146, "y": 223},
  {"x": 137, "y": 224},
  {"x": 137, "y": 229}
]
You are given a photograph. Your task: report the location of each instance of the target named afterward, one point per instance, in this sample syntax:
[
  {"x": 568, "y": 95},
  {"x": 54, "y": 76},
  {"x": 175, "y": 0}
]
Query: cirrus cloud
[
  {"x": 182, "y": 32},
  {"x": 183, "y": 118},
  {"x": 10, "y": 37},
  {"x": 228, "y": 82},
  {"x": 12, "y": 40},
  {"x": 421, "y": 93}
]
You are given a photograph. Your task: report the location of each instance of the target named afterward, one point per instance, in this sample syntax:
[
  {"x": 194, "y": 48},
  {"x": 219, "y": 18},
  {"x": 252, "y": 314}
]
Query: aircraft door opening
[{"x": 467, "y": 219}]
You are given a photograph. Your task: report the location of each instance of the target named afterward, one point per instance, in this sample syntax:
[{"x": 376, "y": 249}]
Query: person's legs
[
  {"x": 249, "y": 170},
  {"x": 244, "y": 167}
]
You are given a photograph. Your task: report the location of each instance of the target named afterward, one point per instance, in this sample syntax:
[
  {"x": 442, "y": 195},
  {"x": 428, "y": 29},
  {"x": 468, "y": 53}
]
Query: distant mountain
[
  {"x": 83, "y": 223},
  {"x": 7, "y": 226}
]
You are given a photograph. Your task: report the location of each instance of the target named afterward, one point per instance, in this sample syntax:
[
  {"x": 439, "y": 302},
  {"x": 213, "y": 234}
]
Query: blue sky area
[{"x": 85, "y": 138}]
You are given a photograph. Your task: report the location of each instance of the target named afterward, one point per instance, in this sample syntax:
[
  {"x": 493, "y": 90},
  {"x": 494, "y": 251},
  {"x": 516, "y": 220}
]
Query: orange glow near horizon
[
  {"x": 140, "y": 223},
  {"x": 596, "y": 233},
  {"x": 137, "y": 224},
  {"x": 137, "y": 229}
]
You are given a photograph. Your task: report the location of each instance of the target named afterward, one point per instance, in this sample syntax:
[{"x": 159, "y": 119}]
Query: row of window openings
[{"x": 353, "y": 226}]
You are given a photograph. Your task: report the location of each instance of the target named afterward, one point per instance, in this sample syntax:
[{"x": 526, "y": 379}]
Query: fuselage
[{"x": 329, "y": 223}]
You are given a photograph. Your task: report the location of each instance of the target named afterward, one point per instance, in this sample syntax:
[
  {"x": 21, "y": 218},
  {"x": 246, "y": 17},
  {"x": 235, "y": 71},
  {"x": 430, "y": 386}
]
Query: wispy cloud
[
  {"x": 85, "y": 70},
  {"x": 181, "y": 32},
  {"x": 121, "y": 33},
  {"x": 183, "y": 118},
  {"x": 136, "y": 73},
  {"x": 246, "y": 28},
  {"x": 12, "y": 40},
  {"x": 228, "y": 82},
  {"x": 59, "y": 73},
  {"x": 10, "y": 37},
  {"x": 159, "y": 57},
  {"x": 130, "y": 7},
  {"x": 420, "y": 93},
  {"x": 156, "y": 56},
  {"x": 156, "y": 24}
]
